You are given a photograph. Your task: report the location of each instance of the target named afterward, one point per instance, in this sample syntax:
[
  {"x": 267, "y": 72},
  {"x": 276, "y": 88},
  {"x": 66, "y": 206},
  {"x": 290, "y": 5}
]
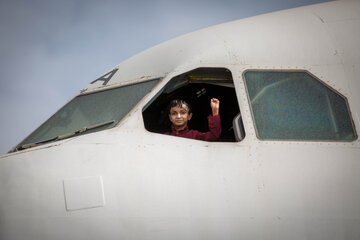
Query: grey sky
[{"x": 51, "y": 49}]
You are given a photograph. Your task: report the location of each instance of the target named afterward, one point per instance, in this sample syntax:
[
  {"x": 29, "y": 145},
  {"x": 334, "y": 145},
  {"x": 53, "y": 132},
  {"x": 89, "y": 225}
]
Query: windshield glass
[{"x": 91, "y": 110}]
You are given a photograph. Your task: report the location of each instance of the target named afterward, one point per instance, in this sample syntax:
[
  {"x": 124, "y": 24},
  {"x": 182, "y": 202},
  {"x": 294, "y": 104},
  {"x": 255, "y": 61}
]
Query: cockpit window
[
  {"x": 197, "y": 87},
  {"x": 297, "y": 106},
  {"x": 90, "y": 112}
]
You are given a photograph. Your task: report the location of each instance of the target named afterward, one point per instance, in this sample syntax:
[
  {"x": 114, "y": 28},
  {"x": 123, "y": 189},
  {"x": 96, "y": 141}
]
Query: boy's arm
[
  {"x": 214, "y": 127},
  {"x": 214, "y": 123}
]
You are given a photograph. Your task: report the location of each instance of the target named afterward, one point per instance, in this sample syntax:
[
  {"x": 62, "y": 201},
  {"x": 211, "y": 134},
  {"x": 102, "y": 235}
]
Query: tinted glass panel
[
  {"x": 91, "y": 109},
  {"x": 295, "y": 105}
]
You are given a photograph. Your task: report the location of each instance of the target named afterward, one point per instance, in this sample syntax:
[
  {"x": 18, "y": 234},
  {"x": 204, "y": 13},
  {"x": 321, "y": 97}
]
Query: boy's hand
[{"x": 215, "y": 105}]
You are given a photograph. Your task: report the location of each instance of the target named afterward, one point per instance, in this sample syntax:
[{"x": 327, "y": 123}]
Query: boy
[{"x": 180, "y": 113}]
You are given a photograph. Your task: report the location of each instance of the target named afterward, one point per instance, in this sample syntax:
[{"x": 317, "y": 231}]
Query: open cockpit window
[
  {"x": 197, "y": 87},
  {"x": 89, "y": 113},
  {"x": 294, "y": 105}
]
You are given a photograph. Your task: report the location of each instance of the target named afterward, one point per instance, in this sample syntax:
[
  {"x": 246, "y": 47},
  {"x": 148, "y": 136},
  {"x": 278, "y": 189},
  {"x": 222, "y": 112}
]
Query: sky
[{"x": 51, "y": 49}]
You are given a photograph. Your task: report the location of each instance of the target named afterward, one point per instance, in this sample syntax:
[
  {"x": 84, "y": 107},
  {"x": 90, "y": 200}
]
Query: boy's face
[{"x": 179, "y": 116}]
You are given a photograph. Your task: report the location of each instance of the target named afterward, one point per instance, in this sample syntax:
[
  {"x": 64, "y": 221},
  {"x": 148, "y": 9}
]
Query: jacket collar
[{"x": 173, "y": 130}]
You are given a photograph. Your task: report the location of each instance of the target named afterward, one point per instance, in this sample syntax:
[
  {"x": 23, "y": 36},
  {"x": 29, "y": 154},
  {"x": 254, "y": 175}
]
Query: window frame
[{"x": 166, "y": 83}]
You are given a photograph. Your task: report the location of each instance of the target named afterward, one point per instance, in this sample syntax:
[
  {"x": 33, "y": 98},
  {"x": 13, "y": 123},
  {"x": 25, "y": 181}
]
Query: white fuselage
[{"x": 130, "y": 183}]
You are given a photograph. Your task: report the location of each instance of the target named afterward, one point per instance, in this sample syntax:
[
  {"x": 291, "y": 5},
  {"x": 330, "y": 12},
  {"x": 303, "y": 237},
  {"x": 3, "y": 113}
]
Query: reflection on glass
[
  {"x": 90, "y": 110},
  {"x": 295, "y": 105}
]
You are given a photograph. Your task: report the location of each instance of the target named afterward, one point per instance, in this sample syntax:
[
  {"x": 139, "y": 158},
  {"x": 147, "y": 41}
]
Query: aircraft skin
[{"x": 129, "y": 183}]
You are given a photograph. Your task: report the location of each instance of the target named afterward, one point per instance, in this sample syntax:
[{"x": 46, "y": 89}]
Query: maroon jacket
[{"x": 213, "y": 135}]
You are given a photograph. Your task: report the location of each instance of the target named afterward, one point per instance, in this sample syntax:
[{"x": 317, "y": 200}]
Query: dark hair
[{"x": 179, "y": 103}]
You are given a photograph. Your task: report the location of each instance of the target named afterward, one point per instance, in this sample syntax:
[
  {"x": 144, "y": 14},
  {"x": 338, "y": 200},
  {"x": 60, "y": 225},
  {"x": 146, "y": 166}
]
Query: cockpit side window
[
  {"x": 294, "y": 105},
  {"x": 197, "y": 87}
]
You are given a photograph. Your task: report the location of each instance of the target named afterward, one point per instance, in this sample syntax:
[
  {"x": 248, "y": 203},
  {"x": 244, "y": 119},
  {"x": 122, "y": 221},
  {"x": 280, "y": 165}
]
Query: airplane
[{"x": 285, "y": 167}]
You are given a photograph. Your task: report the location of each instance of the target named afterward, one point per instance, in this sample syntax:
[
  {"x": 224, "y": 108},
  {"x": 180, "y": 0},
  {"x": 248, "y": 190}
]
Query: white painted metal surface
[{"x": 142, "y": 185}]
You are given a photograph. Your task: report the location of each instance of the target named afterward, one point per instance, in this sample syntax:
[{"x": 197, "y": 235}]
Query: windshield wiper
[
  {"x": 84, "y": 129},
  {"x": 61, "y": 137}
]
